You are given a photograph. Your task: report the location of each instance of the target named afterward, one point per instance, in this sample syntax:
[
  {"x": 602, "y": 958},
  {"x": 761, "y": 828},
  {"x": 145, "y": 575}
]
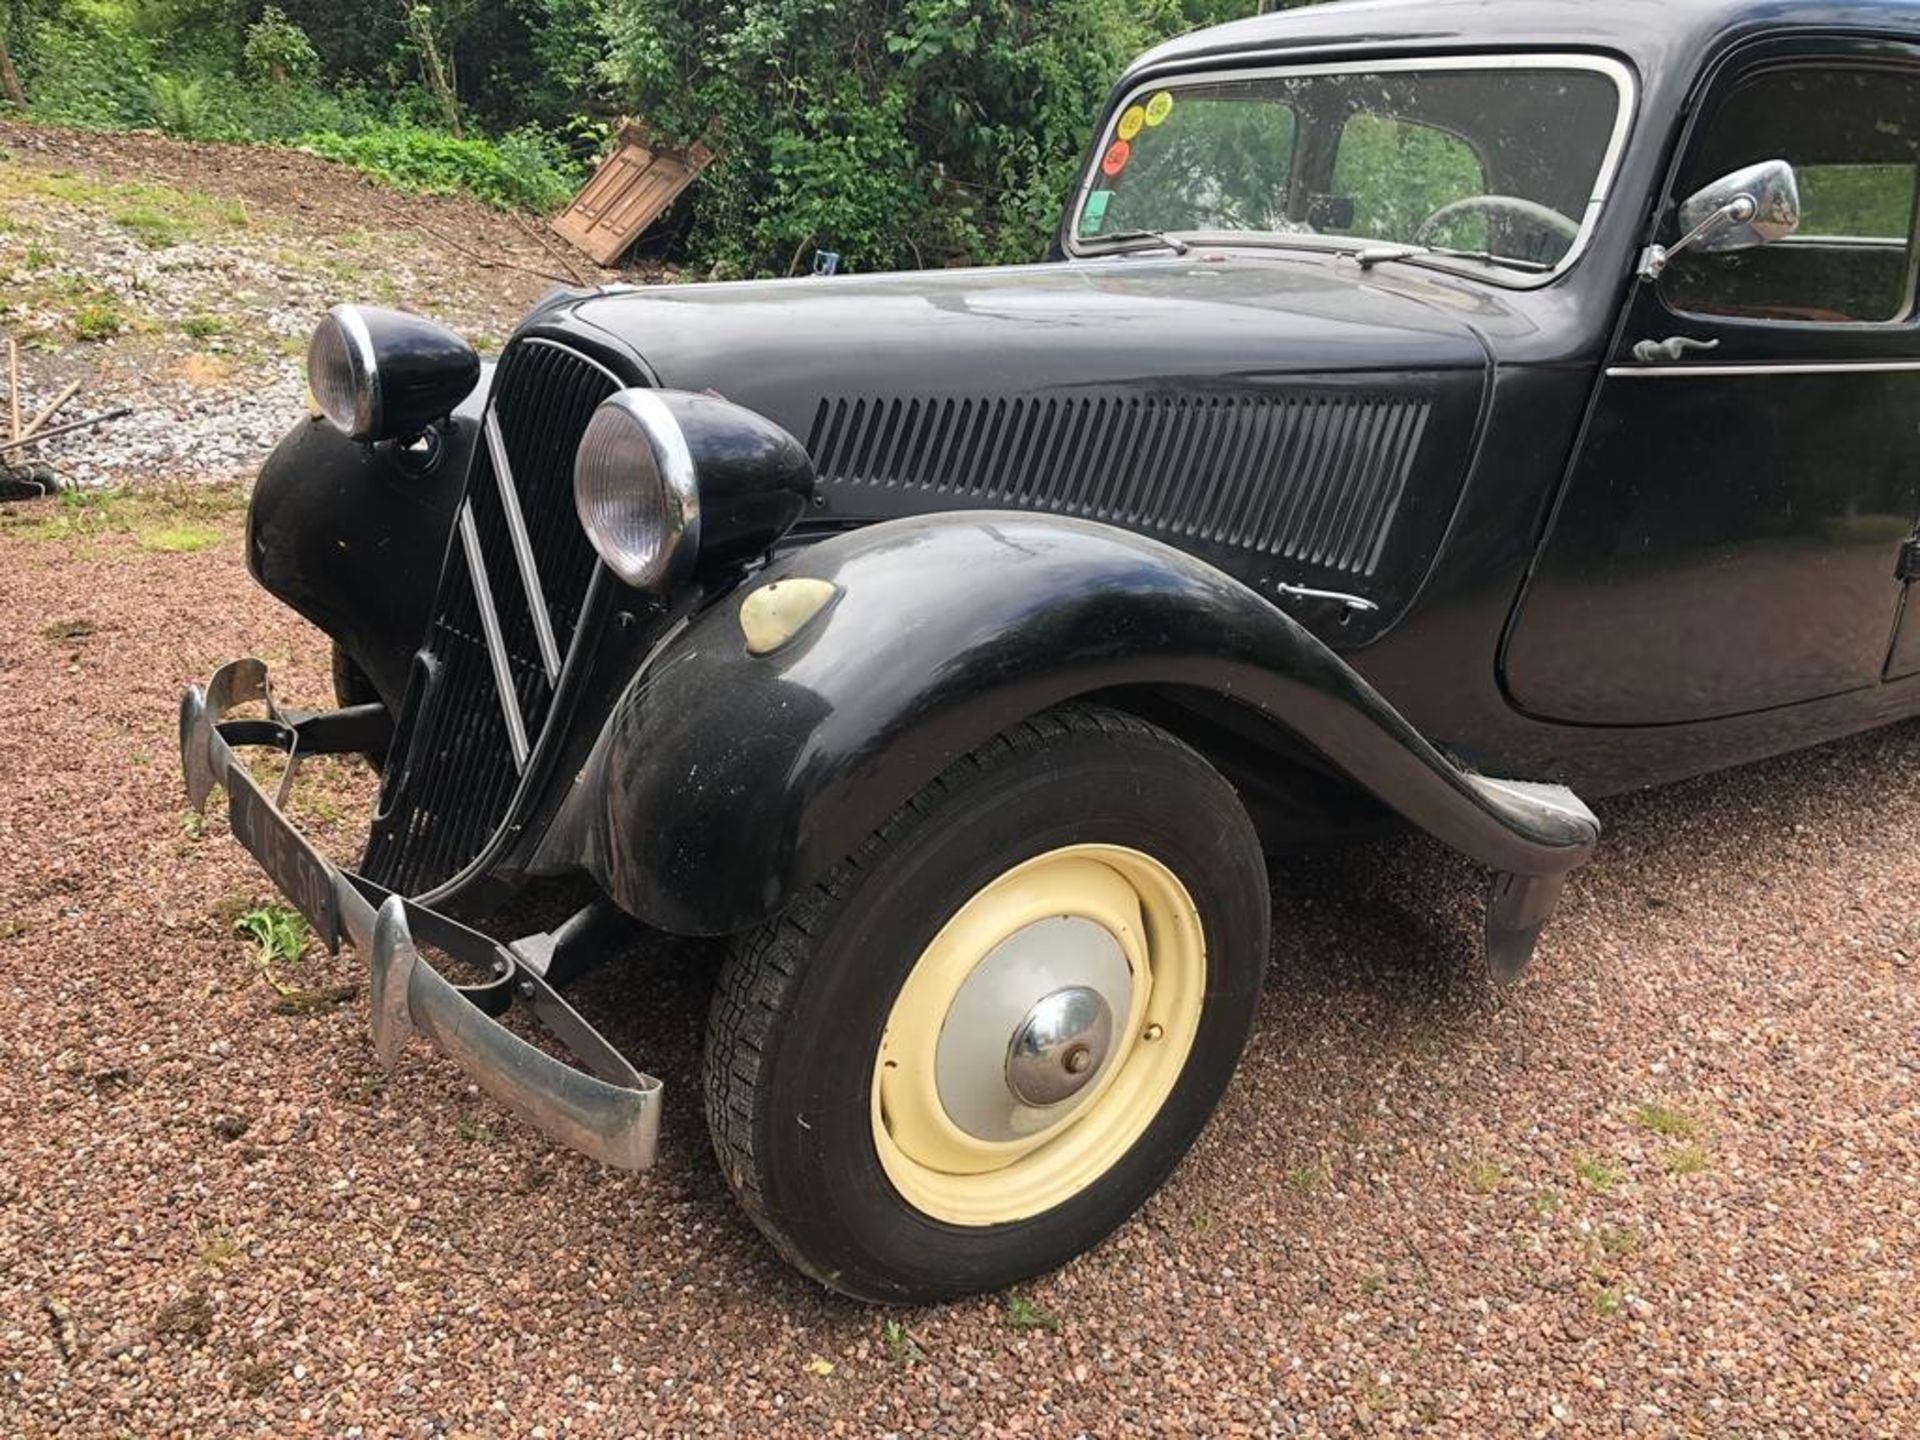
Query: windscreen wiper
[
  {"x": 1121, "y": 241},
  {"x": 1373, "y": 255}
]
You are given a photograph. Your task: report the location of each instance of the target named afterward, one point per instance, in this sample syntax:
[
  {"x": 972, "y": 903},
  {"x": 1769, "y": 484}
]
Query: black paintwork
[
  {"x": 352, "y": 536},
  {"x": 425, "y": 370},
  {"x": 754, "y": 479},
  {"x": 819, "y": 739},
  {"x": 1605, "y": 581}
]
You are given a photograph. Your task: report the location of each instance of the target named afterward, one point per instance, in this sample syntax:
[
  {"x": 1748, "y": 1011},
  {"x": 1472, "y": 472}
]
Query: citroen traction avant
[{"x": 1430, "y": 413}]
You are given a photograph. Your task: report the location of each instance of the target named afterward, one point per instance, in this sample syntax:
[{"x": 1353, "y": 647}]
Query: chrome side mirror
[{"x": 1752, "y": 206}]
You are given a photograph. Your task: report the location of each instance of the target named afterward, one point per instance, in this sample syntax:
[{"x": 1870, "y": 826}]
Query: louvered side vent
[
  {"x": 1315, "y": 478},
  {"x": 452, "y": 790}
]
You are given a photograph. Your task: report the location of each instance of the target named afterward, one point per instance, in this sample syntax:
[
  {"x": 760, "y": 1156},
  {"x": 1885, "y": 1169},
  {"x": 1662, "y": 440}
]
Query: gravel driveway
[{"x": 1665, "y": 1186}]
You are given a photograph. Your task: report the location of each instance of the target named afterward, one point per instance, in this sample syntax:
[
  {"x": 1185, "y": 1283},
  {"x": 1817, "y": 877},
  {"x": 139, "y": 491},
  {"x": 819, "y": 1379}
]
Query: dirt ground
[{"x": 1665, "y": 1186}]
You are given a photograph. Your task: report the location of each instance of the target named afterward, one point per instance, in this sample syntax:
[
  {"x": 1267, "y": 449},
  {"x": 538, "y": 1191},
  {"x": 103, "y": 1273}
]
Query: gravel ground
[
  {"x": 1664, "y": 1186},
  {"x": 182, "y": 281}
]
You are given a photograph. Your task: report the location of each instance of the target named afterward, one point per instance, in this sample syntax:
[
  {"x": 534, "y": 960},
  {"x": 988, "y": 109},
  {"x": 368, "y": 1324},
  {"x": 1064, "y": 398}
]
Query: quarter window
[{"x": 1852, "y": 139}]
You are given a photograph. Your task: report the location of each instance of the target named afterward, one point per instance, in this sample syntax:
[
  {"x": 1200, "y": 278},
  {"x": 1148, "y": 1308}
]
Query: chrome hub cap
[
  {"x": 1031, "y": 1028},
  {"x": 1060, "y": 1046}
]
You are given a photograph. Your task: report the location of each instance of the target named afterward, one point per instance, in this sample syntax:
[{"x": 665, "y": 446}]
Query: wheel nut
[
  {"x": 1078, "y": 1059},
  {"x": 1152, "y": 1032}
]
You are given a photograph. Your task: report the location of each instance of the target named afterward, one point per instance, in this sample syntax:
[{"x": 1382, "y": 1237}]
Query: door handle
[{"x": 1674, "y": 347}]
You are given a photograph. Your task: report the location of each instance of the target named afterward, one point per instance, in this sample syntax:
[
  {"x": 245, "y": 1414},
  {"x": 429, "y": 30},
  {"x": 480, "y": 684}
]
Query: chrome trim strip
[
  {"x": 579, "y": 356},
  {"x": 1827, "y": 367},
  {"x": 1307, "y": 592},
  {"x": 522, "y": 546},
  {"x": 1624, "y": 81},
  {"x": 367, "y": 404},
  {"x": 496, "y": 646},
  {"x": 643, "y": 407}
]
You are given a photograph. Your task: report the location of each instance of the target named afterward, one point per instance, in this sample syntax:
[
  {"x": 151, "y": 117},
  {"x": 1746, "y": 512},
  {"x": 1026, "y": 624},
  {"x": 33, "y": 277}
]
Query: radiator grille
[
  {"x": 1313, "y": 477},
  {"x": 451, "y": 790}
]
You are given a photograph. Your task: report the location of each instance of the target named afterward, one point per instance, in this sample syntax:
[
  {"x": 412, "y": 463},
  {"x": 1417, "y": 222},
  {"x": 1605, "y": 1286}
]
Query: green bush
[
  {"x": 919, "y": 133},
  {"x": 525, "y": 170},
  {"x": 181, "y": 107},
  {"x": 81, "y": 70},
  {"x": 277, "y": 50}
]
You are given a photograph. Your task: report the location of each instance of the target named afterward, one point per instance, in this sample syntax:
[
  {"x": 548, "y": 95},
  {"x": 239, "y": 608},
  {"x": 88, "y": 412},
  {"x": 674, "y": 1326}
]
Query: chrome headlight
[
  {"x": 383, "y": 374},
  {"x": 665, "y": 477},
  {"x": 634, "y": 487}
]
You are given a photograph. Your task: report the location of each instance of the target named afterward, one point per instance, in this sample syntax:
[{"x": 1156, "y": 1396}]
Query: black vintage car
[{"x": 1432, "y": 412}]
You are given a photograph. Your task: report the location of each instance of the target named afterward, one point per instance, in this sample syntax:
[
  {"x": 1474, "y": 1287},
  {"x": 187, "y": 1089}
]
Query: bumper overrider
[{"x": 603, "y": 1107}]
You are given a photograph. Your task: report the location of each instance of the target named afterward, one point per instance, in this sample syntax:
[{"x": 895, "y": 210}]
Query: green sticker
[{"x": 1094, "y": 213}]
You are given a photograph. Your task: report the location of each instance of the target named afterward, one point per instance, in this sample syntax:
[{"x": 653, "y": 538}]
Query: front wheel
[{"x": 980, "y": 1043}]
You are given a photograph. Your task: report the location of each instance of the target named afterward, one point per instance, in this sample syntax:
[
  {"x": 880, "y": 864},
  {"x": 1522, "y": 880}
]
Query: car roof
[{"x": 1646, "y": 32}]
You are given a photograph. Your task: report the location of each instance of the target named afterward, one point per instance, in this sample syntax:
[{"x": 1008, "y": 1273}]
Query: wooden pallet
[{"x": 632, "y": 188}]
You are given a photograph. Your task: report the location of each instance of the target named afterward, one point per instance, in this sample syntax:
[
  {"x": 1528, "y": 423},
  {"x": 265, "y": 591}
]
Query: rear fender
[{"x": 727, "y": 780}]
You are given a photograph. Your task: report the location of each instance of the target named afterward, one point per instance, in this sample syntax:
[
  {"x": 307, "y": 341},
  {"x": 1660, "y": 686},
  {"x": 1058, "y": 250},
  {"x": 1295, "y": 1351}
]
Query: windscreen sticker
[
  {"x": 1116, "y": 158},
  {"x": 1131, "y": 119},
  {"x": 1159, "y": 107},
  {"x": 1094, "y": 213}
]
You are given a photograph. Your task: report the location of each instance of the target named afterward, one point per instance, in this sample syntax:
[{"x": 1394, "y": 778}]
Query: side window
[
  {"x": 1851, "y": 137},
  {"x": 1398, "y": 172}
]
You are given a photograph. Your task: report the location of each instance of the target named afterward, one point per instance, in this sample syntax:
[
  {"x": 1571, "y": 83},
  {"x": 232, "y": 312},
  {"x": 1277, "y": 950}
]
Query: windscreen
[{"x": 1500, "y": 165}]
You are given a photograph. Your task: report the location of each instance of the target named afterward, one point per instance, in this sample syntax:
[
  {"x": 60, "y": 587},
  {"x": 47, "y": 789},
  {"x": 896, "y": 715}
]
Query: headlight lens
[
  {"x": 386, "y": 375},
  {"x": 343, "y": 373},
  {"x": 634, "y": 487}
]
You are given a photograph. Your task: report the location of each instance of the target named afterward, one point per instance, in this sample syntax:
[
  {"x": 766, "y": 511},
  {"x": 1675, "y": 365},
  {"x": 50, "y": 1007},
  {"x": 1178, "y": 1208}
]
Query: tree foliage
[{"x": 895, "y": 132}]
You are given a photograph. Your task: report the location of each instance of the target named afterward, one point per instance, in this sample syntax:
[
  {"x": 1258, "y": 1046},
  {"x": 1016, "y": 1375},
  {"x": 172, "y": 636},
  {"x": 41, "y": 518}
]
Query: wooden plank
[{"x": 633, "y": 187}]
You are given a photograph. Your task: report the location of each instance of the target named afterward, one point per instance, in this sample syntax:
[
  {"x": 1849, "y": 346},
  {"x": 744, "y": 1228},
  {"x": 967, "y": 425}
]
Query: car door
[{"x": 1729, "y": 534}]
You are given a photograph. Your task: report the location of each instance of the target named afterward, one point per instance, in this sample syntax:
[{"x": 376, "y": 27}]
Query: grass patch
[
  {"x": 1617, "y": 1240},
  {"x": 1026, "y": 1314},
  {"x": 151, "y": 226},
  {"x": 39, "y": 257},
  {"x": 1595, "y": 1173},
  {"x": 157, "y": 216},
  {"x": 220, "y": 1249},
  {"x": 902, "y": 1349},
  {"x": 87, "y": 514},
  {"x": 1306, "y": 1179},
  {"x": 1607, "y": 1302},
  {"x": 177, "y": 539},
  {"x": 1663, "y": 1119},
  {"x": 1687, "y": 1160},
  {"x": 100, "y": 318},
  {"x": 189, "y": 1317},
  {"x": 77, "y": 628},
  {"x": 205, "y": 327},
  {"x": 277, "y": 930},
  {"x": 475, "y": 1132},
  {"x": 1483, "y": 1175},
  {"x": 279, "y": 934}
]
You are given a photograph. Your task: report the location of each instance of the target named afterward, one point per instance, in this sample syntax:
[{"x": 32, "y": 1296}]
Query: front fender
[
  {"x": 725, "y": 781},
  {"x": 353, "y": 539}
]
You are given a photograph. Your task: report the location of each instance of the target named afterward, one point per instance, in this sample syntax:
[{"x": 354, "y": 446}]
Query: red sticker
[{"x": 1116, "y": 158}]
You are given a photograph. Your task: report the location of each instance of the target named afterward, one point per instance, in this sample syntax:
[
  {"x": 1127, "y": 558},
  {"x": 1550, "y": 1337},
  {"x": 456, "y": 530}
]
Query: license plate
[{"x": 284, "y": 853}]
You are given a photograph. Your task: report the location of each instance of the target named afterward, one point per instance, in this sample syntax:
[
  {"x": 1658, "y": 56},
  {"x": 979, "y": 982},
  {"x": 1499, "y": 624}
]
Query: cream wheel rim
[{"x": 1038, "y": 1035}]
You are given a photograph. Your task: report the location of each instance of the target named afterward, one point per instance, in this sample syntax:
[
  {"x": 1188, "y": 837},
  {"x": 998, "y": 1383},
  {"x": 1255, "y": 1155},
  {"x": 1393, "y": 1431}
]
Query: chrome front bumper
[{"x": 604, "y": 1107}]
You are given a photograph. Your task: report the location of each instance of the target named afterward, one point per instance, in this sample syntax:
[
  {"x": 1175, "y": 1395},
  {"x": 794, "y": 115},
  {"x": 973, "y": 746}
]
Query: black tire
[
  {"x": 801, "y": 1004},
  {"x": 352, "y": 687}
]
